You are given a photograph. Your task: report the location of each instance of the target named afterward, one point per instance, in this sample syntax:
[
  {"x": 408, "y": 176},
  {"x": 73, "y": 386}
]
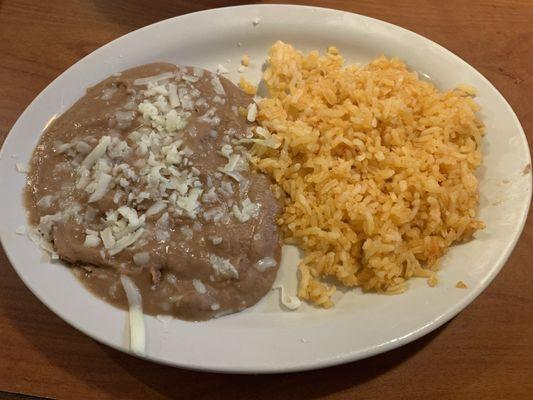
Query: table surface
[{"x": 485, "y": 352}]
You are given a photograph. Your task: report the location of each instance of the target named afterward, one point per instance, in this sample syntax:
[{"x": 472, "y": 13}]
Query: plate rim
[{"x": 349, "y": 356}]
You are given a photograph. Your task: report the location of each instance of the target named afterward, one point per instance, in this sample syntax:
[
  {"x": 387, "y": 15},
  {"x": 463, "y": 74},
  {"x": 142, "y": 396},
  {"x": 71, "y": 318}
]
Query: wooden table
[{"x": 485, "y": 352}]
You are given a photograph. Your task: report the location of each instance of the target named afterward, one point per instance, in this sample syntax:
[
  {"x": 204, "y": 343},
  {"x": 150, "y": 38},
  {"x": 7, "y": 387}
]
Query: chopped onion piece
[{"x": 136, "y": 318}]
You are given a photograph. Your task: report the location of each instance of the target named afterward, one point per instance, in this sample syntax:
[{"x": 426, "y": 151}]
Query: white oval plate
[{"x": 265, "y": 338}]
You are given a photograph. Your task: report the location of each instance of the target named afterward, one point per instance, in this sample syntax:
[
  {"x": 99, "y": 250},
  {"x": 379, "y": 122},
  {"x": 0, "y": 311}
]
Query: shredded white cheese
[
  {"x": 221, "y": 69},
  {"x": 247, "y": 211},
  {"x": 199, "y": 72},
  {"x": 216, "y": 240},
  {"x": 117, "y": 196},
  {"x": 235, "y": 175},
  {"x": 190, "y": 203},
  {"x": 22, "y": 168},
  {"x": 108, "y": 93},
  {"x": 165, "y": 319},
  {"x": 46, "y": 201},
  {"x": 290, "y": 302},
  {"x": 102, "y": 183},
  {"x": 210, "y": 196},
  {"x": 82, "y": 147},
  {"x": 226, "y": 150},
  {"x": 265, "y": 263},
  {"x": 155, "y": 208},
  {"x": 107, "y": 238},
  {"x": 217, "y": 86},
  {"x": 141, "y": 258},
  {"x": 173, "y": 95},
  {"x": 190, "y": 78},
  {"x": 232, "y": 163},
  {"x": 153, "y": 79},
  {"x": 199, "y": 286},
  {"x": 136, "y": 317},
  {"x": 97, "y": 152},
  {"x": 174, "y": 122},
  {"x": 223, "y": 267},
  {"x": 91, "y": 241},
  {"x": 125, "y": 241},
  {"x": 252, "y": 112},
  {"x": 130, "y": 214}
]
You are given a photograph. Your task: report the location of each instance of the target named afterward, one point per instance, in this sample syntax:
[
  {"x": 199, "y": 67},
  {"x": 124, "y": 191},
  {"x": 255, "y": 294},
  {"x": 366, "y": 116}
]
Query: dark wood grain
[{"x": 485, "y": 352}]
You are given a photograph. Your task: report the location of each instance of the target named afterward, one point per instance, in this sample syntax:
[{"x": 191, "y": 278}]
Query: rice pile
[{"x": 375, "y": 168}]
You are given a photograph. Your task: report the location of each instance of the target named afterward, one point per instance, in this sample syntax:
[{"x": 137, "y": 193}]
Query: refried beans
[{"x": 146, "y": 176}]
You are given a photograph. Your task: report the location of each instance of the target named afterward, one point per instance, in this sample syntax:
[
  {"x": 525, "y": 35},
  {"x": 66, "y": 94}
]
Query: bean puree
[{"x": 145, "y": 176}]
